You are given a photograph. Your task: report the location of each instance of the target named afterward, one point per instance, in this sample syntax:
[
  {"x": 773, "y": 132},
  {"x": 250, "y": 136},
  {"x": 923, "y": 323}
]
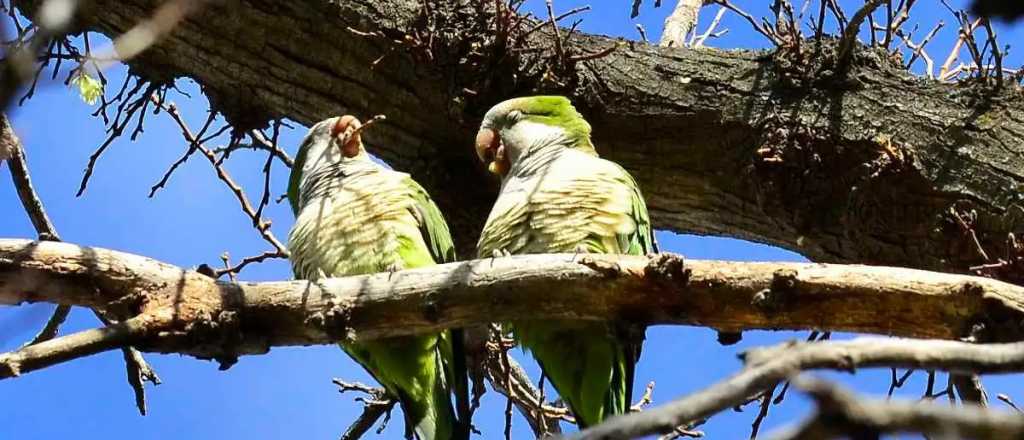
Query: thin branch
[
  {"x": 757, "y": 27},
  {"x": 840, "y": 413},
  {"x": 52, "y": 327},
  {"x": 955, "y": 52},
  {"x": 767, "y": 367},
  {"x": 849, "y": 38},
  {"x": 261, "y": 142},
  {"x": 70, "y": 347},
  {"x": 377, "y": 404},
  {"x": 554, "y": 28},
  {"x": 710, "y": 33},
  {"x": 262, "y": 226},
  {"x": 10, "y": 143}
]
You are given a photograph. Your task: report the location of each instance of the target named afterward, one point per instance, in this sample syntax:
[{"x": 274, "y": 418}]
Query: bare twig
[
  {"x": 19, "y": 64},
  {"x": 73, "y": 346},
  {"x": 997, "y": 54},
  {"x": 841, "y": 413},
  {"x": 768, "y": 366},
  {"x": 643, "y": 33},
  {"x": 757, "y": 27},
  {"x": 188, "y": 153},
  {"x": 898, "y": 383},
  {"x": 52, "y": 327},
  {"x": 710, "y": 32},
  {"x": 919, "y": 51},
  {"x": 955, "y": 52},
  {"x": 1006, "y": 399},
  {"x": 849, "y": 38},
  {"x": 10, "y": 143},
  {"x": 376, "y": 404},
  {"x": 766, "y": 401},
  {"x": 261, "y": 142},
  {"x": 554, "y": 28},
  {"x": 262, "y": 226}
]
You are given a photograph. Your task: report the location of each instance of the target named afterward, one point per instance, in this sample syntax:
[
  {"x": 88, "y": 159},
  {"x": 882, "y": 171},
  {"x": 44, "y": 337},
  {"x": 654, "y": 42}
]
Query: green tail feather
[
  {"x": 410, "y": 368},
  {"x": 591, "y": 369}
]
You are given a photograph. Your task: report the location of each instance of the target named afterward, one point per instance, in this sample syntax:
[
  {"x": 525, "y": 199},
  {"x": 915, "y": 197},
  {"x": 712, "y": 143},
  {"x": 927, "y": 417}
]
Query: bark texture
[
  {"x": 183, "y": 311},
  {"x": 765, "y": 146}
]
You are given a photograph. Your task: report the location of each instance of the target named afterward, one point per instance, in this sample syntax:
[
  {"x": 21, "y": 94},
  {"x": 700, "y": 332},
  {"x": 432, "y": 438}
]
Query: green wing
[
  {"x": 432, "y": 225},
  {"x": 451, "y": 346},
  {"x": 641, "y": 241}
]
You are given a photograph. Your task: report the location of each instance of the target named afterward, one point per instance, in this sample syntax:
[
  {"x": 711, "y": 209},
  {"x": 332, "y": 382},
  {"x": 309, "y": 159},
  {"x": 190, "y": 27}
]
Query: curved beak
[
  {"x": 345, "y": 131},
  {"x": 491, "y": 151},
  {"x": 487, "y": 142}
]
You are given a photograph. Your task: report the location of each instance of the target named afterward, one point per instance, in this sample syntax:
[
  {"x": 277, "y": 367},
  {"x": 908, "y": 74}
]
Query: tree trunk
[{"x": 774, "y": 147}]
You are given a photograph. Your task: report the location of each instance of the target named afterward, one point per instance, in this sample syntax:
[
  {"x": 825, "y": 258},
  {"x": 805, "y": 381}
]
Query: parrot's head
[
  {"x": 516, "y": 127},
  {"x": 328, "y": 142}
]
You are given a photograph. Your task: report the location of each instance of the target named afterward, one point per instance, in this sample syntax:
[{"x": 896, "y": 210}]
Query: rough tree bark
[
  {"x": 770, "y": 147},
  {"x": 167, "y": 309}
]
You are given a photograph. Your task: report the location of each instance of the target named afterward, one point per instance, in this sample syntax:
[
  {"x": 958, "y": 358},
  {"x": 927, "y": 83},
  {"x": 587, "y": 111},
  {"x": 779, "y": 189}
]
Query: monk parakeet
[
  {"x": 558, "y": 196},
  {"x": 354, "y": 216}
]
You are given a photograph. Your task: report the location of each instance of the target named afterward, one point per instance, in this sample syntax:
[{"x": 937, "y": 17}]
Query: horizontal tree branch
[
  {"x": 194, "y": 314},
  {"x": 769, "y": 366},
  {"x": 841, "y": 413}
]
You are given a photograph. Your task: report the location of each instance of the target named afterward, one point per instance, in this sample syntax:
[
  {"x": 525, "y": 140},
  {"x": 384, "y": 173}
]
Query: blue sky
[{"x": 288, "y": 392}]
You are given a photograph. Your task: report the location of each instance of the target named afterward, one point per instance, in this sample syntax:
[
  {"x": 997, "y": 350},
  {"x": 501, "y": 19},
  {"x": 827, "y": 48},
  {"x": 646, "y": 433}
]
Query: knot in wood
[
  {"x": 607, "y": 268},
  {"x": 332, "y": 320},
  {"x": 726, "y": 338},
  {"x": 667, "y": 267},
  {"x": 220, "y": 334},
  {"x": 971, "y": 288},
  {"x": 779, "y": 293}
]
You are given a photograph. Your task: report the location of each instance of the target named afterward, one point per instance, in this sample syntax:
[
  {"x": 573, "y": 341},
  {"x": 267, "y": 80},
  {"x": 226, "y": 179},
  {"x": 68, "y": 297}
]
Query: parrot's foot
[
  {"x": 498, "y": 253},
  {"x": 578, "y": 250},
  {"x": 391, "y": 269},
  {"x": 609, "y": 269}
]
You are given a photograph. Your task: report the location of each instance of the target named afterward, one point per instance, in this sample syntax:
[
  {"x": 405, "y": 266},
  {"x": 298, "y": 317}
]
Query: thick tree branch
[
  {"x": 752, "y": 145},
  {"x": 194, "y": 314},
  {"x": 768, "y": 366},
  {"x": 842, "y": 414}
]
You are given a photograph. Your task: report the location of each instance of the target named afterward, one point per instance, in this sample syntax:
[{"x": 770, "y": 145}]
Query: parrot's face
[
  {"x": 328, "y": 142},
  {"x": 515, "y": 128}
]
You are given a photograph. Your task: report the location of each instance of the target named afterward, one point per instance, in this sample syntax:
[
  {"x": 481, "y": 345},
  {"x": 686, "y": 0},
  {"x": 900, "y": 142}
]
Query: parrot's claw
[
  {"x": 579, "y": 249},
  {"x": 499, "y": 253},
  {"x": 391, "y": 269}
]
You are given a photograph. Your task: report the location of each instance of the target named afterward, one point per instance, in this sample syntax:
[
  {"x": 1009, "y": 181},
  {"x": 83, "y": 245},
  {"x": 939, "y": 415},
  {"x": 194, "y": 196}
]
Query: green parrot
[
  {"x": 558, "y": 196},
  {"x": 354, "y": 216}
]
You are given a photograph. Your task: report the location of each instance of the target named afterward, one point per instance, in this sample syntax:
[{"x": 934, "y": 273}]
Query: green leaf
[{"x": 88, "y": 87}]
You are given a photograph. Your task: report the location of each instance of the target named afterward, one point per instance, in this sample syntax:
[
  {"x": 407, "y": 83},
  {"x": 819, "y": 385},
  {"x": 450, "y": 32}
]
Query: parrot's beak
[
  {"x": 491, "y": 151},
  {"x": 345, "y": 132}
]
